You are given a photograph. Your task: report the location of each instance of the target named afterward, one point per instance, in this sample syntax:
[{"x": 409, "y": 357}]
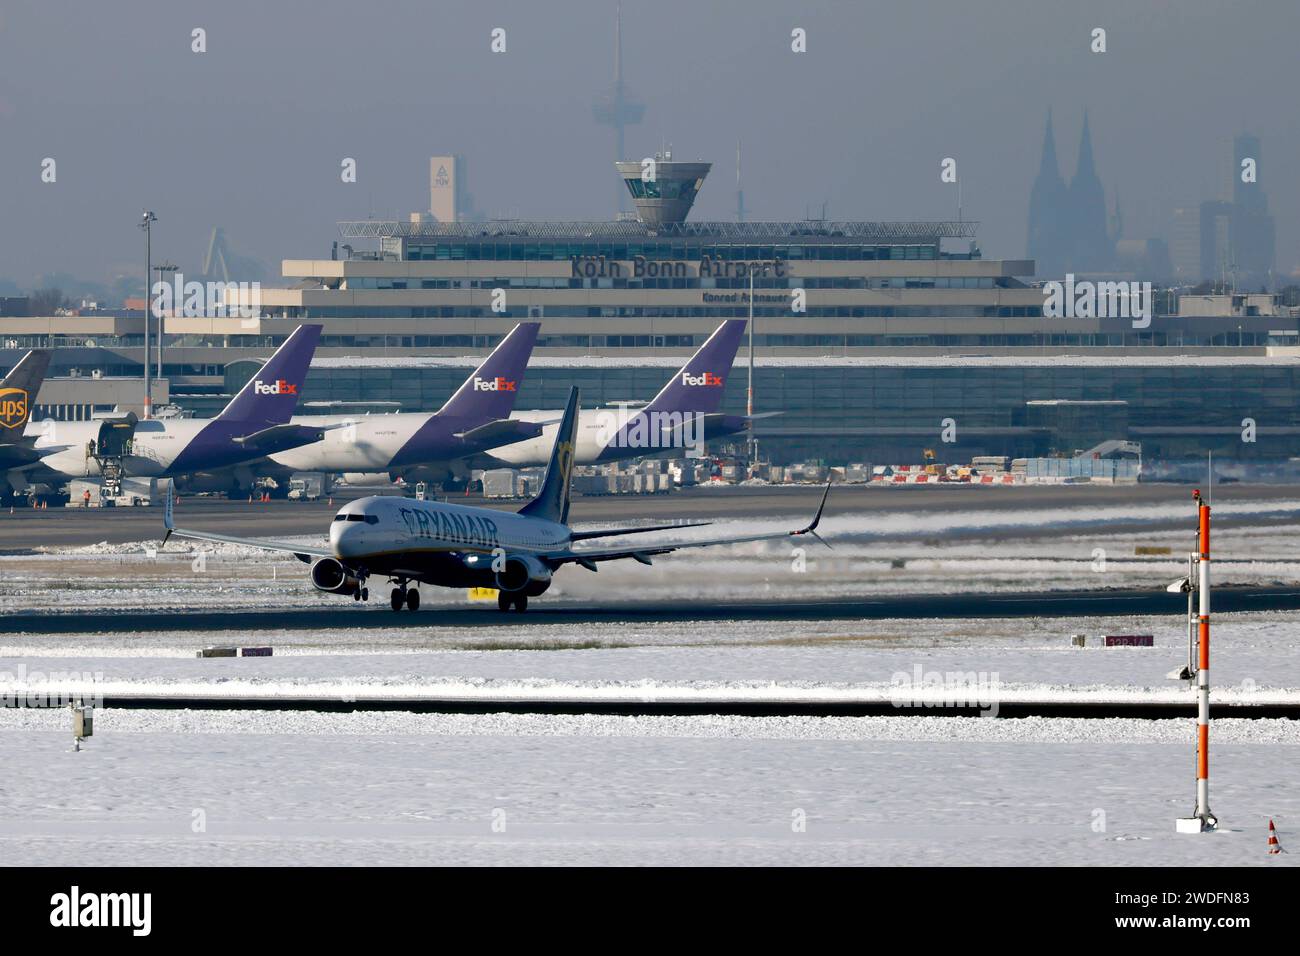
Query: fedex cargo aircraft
[
  {"x": 679, "y": 419},
  {"x": 255, "y": 423},
  {"x": 422, "y": 446}
]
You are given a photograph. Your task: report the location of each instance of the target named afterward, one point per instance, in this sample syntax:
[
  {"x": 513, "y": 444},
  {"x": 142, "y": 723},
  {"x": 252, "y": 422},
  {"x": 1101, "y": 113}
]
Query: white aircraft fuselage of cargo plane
[
  {"x": 430, "y": 542},
  {"x": 421, "y": 445}
]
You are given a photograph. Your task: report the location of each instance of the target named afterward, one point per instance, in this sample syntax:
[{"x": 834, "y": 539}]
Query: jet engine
[
  {"x": 526, "y": 573},
  {"x": 327, "y": 574}
]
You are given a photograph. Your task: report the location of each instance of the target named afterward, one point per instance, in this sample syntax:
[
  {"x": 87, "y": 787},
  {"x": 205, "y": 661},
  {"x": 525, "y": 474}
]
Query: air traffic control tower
[{"x": 663, "y": 191}]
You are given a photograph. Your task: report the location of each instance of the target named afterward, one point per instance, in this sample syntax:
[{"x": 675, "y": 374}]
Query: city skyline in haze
[{"x": 250, "y": 134}]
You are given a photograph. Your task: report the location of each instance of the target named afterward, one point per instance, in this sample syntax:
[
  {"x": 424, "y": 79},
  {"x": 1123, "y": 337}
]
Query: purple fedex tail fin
[
  {"x": 698, "y": 385},
  {"x": 490, "y": 392},
  {"x": 271, "y": 395}
]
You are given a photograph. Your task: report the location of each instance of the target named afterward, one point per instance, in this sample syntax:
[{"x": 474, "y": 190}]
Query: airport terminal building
[{"x": 868, "y": 335}]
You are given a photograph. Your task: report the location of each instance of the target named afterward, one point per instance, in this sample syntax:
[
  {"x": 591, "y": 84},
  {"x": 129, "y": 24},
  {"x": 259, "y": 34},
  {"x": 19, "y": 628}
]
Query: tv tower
[
  {"x": 740, "y": 190},
  {"x": 618, "y": 108}
]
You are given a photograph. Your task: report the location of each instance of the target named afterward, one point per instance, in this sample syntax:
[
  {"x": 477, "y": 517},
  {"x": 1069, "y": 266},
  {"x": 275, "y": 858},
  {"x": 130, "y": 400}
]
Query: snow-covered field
[
  {"x": 257, "y": 788},
  {"x": 266, "y": 787},
  {"x": 408, "y": 788}
]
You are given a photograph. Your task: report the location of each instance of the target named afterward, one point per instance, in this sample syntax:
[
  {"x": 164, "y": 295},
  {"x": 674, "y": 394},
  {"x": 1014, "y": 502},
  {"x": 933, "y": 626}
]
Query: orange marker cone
[{"x": 1273, "y": 845}]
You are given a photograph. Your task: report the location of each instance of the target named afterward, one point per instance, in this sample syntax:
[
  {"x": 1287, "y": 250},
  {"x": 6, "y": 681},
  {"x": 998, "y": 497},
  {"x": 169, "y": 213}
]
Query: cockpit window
[
  {"x": 368, "y": 519},
  {"x": 372, "y": 519}
]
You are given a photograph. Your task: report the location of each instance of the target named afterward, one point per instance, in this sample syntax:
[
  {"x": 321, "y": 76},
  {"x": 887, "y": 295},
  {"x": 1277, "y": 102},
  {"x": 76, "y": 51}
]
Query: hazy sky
[{"x": 250, "y": 134}]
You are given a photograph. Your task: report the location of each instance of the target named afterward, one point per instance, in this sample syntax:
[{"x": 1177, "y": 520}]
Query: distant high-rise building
[
  {"x": 1229, "y": 240},
  {"x": 1068, "y": 224},
  {"x": 446, "y": 188},
  {"x": 1185, "y": 243},
  {"x": 1218, "y": 259},
  {"x": 1251, "y": 229}
]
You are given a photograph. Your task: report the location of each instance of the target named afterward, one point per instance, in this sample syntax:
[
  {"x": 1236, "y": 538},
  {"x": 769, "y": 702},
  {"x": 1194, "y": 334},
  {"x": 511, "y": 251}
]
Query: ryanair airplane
[{"x": 429, "y": 542}]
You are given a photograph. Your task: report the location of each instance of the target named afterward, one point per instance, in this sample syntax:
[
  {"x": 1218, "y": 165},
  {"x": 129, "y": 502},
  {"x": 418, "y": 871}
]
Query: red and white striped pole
[
  {"x": 1204, "y": 819},
  {"x": 1203, "y": 674}
]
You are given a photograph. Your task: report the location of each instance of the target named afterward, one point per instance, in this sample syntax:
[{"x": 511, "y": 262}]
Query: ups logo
[{"x": 13, "y": 407}]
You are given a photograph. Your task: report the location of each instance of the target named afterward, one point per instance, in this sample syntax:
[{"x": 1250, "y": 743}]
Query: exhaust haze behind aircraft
[{"x": 431, "y": 542}]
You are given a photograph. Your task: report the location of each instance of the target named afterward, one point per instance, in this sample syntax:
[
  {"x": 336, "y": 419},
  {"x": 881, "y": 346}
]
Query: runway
[
  {"x": 376, "y": 615},
  {"x": 775, "y": 707},
  {"x": 25, "y": 529}
]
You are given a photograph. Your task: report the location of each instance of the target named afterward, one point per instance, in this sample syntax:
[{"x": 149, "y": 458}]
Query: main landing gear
[
  {"x": 402, "y": 595},
  {"x": 506, "y": 598}
]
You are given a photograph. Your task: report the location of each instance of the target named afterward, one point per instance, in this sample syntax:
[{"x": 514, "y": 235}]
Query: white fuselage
[
  {"x": 390, "y": 526},
  {"x": 368, "y": 443},
  {"x": 155, "y": 445},
  {"x": 364, "y": 443},
  {"x": 64, "y": 446},
  {"x": 596, "y": 426}
]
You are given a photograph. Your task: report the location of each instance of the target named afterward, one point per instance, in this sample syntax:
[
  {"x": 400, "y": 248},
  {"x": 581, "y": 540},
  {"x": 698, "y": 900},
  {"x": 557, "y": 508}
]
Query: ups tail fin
[
  {"x": 19, "y": 389},
  {"x": 271, "y": 395},
  {"x": 552, "y": 502},
  {"x": 490, "y": 392}
]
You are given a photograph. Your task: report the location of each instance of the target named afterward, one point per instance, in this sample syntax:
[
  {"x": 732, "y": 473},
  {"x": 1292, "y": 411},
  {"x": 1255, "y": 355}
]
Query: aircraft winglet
[{"x": 812, "y": 525}]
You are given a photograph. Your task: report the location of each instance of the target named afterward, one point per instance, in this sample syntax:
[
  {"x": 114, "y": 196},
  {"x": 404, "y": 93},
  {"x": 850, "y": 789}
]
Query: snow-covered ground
[
  {"x": 407, "y": 788},
  {"x": 258, "y": 788},
  {"x": 267, "y": 787}
]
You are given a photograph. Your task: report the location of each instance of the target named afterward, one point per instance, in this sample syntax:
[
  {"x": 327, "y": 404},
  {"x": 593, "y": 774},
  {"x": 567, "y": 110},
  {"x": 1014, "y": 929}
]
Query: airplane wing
[
  {"x": 503, "y": 431},
  {"x": 301, "y": 552},
  {"x": 23, "y": 455},
  {"x": 276, "y": 436},
  {"x": 589, "y": 558},
  {"x": 611, "y": 532}
]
